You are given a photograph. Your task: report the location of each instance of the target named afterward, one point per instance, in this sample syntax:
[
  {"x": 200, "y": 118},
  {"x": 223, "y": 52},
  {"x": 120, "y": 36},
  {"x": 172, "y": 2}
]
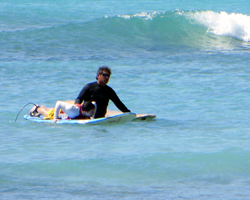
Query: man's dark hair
[{"x": 102, "y": 69}]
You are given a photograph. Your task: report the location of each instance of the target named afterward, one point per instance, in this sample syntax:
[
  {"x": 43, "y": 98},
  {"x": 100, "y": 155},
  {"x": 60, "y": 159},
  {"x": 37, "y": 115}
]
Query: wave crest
[{"x": 224, "y": 24}]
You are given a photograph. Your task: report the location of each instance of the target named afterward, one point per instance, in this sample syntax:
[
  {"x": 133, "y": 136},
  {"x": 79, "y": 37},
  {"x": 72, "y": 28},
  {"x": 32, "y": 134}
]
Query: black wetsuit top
[{"x": 101, "y": 95}]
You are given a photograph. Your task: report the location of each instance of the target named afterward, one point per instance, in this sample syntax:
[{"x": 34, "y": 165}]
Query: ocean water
[{"x": 187, "y": 62}]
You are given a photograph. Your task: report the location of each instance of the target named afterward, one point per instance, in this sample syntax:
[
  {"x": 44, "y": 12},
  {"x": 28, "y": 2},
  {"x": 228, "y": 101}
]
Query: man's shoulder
[{"x": 92, "y": 84}]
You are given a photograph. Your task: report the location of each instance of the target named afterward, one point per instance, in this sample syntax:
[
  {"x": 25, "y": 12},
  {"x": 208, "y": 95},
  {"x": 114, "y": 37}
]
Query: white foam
[
  {"x": 143, "y": 15},
  {"x": 233, "y": 25}
]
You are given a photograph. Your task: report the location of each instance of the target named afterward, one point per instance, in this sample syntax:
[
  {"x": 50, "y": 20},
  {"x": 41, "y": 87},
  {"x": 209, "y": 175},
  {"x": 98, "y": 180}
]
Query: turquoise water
[{"x": 185, "y": 61}]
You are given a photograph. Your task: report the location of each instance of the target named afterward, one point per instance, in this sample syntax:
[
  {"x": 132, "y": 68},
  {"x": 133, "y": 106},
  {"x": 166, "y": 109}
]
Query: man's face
[{"x": 103, "y": 78}]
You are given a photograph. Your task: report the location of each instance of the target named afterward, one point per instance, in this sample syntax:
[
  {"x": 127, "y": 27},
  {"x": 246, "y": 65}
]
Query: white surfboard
[{"x": 119, "y": 118}]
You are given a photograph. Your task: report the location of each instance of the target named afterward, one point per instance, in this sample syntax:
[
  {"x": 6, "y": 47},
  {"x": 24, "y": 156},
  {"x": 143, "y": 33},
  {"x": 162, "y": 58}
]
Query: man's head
[{"x": 103, "y": 75}]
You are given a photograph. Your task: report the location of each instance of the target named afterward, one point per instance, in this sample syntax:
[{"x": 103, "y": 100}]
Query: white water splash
[{"x": 233, "y": 25}]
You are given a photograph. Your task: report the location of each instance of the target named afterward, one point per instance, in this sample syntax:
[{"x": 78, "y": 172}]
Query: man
[{"x": 101, "y": 93}]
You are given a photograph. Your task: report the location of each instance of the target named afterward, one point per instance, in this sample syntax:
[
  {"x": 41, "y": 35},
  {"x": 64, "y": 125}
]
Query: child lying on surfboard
[{"x": 64, "y": 110}]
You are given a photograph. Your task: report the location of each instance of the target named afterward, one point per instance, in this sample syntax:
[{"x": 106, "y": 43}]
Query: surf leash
[{"x": 23, "y": 108}]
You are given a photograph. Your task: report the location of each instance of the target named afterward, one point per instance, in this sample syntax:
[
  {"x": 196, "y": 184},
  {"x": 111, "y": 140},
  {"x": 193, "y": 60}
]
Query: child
[{"x": 70, "y": 111}]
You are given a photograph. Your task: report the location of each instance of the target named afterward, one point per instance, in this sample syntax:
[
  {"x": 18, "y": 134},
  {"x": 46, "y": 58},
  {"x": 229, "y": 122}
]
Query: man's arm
[
  {"x": 118, "y": 103},
  {"x": 82, "y": 95}
]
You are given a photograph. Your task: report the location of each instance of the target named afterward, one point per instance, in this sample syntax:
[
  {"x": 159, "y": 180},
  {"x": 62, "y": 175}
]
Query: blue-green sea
[{"x": 187, "y": 62}]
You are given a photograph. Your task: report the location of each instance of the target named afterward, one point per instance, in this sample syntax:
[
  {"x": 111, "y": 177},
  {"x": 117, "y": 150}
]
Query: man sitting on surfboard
[
  {"x": 101, "y": 93},
  {"x": 65, "y": 110}
]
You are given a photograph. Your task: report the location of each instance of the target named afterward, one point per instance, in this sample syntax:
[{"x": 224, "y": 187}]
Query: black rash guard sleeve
[{"x": 118, "y": 102}]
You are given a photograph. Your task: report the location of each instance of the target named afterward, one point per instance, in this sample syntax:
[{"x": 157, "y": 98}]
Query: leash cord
[{"x": 22, "y": 109}]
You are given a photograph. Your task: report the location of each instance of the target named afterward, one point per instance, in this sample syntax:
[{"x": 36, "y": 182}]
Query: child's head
[{"x": 88, "y": 108}]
